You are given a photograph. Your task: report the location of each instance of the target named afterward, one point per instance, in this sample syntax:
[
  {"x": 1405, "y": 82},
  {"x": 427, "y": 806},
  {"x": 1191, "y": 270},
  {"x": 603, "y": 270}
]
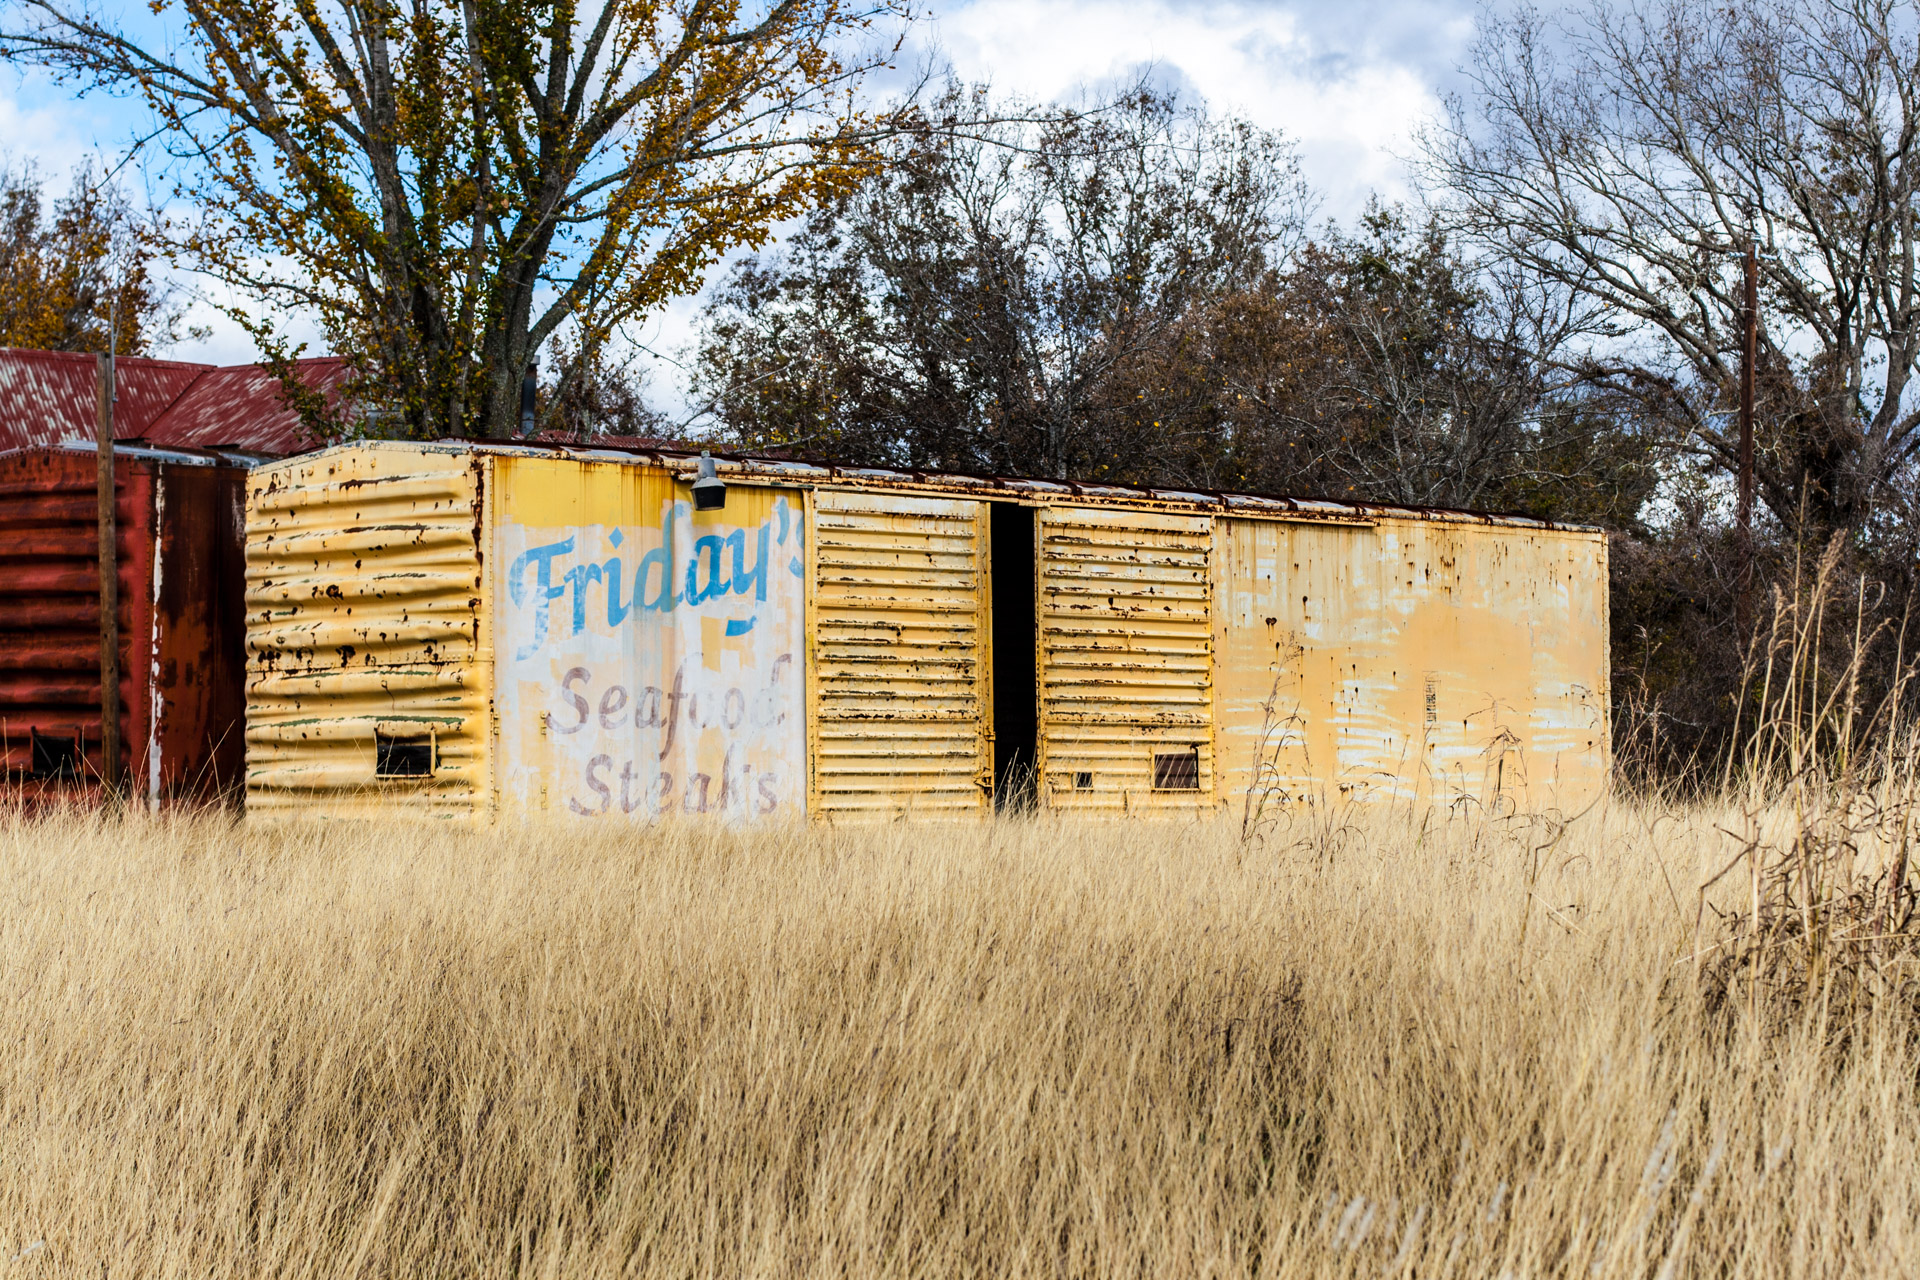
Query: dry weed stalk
[{"x": 1827, "y": 799}]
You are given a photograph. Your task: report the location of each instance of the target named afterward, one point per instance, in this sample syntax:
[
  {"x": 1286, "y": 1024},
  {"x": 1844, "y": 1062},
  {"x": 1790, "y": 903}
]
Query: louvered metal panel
[
  {"x": 1126, "y": 658},
  {"x": 898, "y": 674},
  {"x": 364, "y": 608}
]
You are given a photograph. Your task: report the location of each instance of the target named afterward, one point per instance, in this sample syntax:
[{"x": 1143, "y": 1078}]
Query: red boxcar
[{"x": 182, "y": 582}]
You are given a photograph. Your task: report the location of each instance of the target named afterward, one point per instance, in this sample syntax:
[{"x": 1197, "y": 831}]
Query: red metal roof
[
  {"x": 47, "y": 397},
  {"x": 240, "y": 407}
]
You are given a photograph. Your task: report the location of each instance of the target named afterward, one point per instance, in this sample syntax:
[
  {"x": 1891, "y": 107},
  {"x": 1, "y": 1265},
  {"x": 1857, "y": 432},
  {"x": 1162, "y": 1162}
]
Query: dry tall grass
[{"x": 1034, "y": 1049}]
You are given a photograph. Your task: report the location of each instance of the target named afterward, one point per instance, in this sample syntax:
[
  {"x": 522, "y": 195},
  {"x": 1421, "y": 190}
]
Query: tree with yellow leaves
[
  {"x": 445, "y": 185},
  {"x": 75, "y": 273}
]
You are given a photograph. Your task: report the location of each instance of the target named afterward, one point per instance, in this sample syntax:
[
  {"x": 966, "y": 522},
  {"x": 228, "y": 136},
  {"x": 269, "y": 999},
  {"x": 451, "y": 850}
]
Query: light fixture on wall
[{"x": 709, "y": 490}]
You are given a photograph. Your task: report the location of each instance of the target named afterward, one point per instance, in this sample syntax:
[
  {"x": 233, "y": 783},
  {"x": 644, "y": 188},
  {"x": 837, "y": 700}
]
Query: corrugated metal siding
[
  {"x": 899, "y": 671},
  {"x": 1460, "y": 661},
  {"x": 50, "y": 602},
  {"x": 1126, "y": 655},
  {"x": 364, "y": 606}
]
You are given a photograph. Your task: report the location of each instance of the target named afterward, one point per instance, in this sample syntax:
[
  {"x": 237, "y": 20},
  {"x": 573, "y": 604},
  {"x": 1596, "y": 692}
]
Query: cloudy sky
[{"x": 1348, "y": 79}]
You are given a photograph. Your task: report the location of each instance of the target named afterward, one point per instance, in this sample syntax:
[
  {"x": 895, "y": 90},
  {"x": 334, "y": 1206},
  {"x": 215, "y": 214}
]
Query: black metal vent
[
  {"x": 402, "y": 757},
  {"x": 1176, "y": 770},
  {"x": 56, "y": 756}
]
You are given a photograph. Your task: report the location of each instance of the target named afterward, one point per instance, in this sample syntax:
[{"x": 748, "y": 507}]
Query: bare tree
[
  {"x": 1389, "y": 367},
  {"x": 1627, "y": 157},
  {"x": 1001, "y": 295}
]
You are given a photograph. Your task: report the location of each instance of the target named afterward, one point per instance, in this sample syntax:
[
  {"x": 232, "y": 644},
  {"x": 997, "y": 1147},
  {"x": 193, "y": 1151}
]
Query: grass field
[{"x": 1034, "y": 1049}]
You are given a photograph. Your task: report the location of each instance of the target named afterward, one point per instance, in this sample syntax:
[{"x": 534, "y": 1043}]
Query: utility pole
[
  {"x": 1749, "y": 351},
  {"x": 109, "y": 591}
]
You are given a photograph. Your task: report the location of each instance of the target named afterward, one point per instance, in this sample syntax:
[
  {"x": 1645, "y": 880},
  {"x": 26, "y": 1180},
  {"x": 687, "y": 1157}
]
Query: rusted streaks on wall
[
  {"x": 179, "y": 582},
  {"x": 364, "y": 588},
  {"x": 569, "y": 635}
]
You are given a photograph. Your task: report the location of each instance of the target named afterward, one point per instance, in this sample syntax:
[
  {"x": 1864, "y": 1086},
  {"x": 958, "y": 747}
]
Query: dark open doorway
[{"x": 1016, "y": 693}]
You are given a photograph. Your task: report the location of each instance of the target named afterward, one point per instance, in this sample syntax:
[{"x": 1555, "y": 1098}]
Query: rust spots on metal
[
  {"x": 899, "y": 656},
  {"x": 361, "y": 611},
  {"x": 1186, "y": 651},
  {"x": 1126, "y": 656},
  {"x": 178, "y": 593}
]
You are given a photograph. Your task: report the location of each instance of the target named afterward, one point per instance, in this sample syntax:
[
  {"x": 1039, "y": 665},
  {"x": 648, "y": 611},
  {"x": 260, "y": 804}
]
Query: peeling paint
[
  {"x": 574, "y": 639},
  {"x": 900, "y": 697},
  {"x": 1126, "y": 656},
  {"x": 179, "y": 546}
]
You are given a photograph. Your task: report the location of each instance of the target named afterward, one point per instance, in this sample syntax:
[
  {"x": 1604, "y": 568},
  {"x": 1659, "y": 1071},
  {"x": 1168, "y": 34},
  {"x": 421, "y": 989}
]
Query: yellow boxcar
[{"x": 470, "y": 631}]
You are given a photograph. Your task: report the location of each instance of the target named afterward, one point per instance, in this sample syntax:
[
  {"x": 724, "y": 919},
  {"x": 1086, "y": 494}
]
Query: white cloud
[
  {"x": 42, "y": 126},
  {"x": 1349, "y": 91}
]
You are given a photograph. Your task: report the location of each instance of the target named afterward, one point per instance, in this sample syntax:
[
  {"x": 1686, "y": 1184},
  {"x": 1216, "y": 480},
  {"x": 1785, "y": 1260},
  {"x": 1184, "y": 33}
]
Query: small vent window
[
  {"x": 1176, "y": 770},
  {"x": 1083, "y": 781},
  {"x": 56, "y": 755},
  {"x": 402, "y": 757}
]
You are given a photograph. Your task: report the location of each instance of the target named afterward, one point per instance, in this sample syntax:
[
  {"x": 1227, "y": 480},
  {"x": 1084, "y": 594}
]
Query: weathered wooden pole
[{"x": 109, "y": 593}]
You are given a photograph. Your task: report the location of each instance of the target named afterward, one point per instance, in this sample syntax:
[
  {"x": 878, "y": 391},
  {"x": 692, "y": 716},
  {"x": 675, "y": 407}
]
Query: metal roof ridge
[{"x": 174, "y": 403}]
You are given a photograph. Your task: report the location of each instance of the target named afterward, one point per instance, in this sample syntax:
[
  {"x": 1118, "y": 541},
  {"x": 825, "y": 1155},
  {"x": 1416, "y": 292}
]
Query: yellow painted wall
[
  {"x": 366, "y": 616},
  {"x": 1464, "y": 664},
  {"x": 649, "y": 656},
  {"x": 574, "y": 639}
]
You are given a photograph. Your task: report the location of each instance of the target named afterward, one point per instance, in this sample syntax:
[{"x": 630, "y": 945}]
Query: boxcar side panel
[
  {"x": 50, "y": 607},
  {"x": 901, "y": 700},
  {"x": 1125, "y": 660},
  {"x": 649, "y": 655},
  {"x": 196, "y": 676},
  {"x": 366, "y": 683},
  {"x": 1457, "y": 664}
]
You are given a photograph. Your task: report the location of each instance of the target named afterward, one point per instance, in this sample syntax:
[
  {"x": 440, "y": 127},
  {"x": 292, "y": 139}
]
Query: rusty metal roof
[
  {"x": 240, "y": 407},
  {"x": 48, "y": 397},
  {"x": 748, "y": 466}
]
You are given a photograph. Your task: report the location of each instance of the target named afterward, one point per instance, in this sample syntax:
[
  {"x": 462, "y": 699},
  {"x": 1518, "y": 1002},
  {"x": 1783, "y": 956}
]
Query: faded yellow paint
[
  {"x": 1462, "y": 665},
  {"x": 650, "y": 653},
  {"x": 486, "y": 605},
  {"x": 1126, "y": 657},
  {"x": 567, "y": 635},
  {"x": 898, "y": 635},
  {"x": 365, "y": 597}
]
